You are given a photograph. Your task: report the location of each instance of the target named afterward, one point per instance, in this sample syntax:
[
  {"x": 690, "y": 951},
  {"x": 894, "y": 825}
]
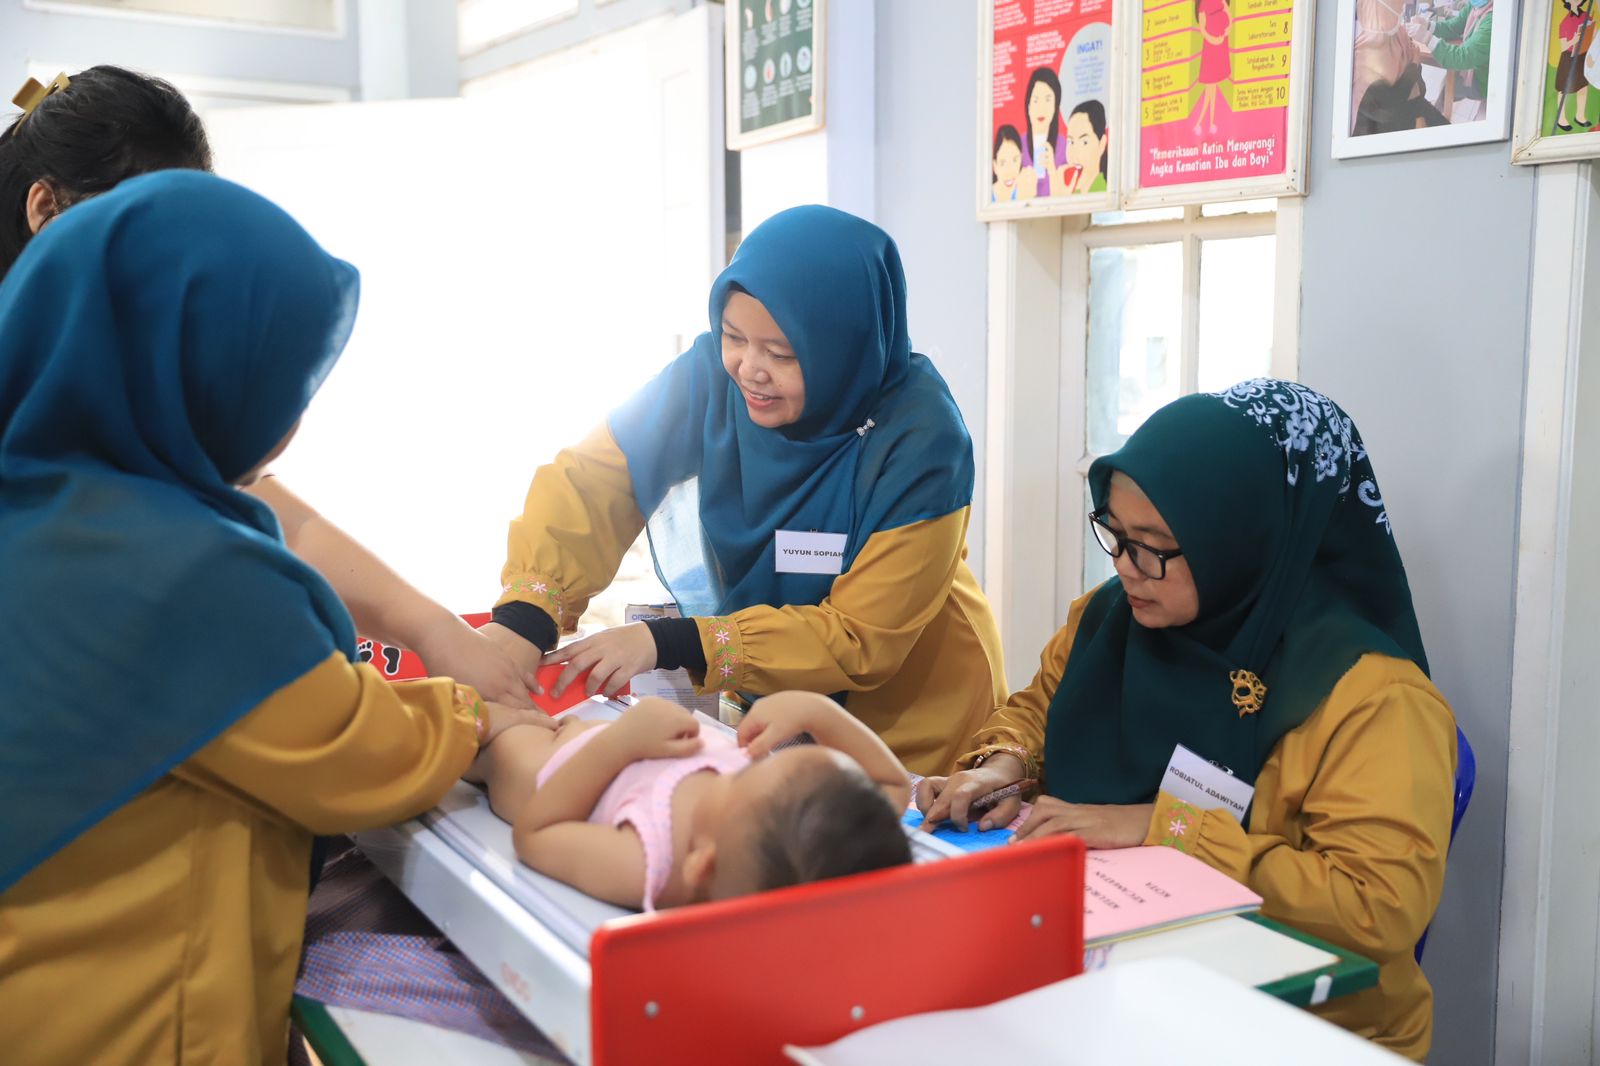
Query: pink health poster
[
  {"x": 1214, "y": 91},
  {"x": 1049, "y": 147}
]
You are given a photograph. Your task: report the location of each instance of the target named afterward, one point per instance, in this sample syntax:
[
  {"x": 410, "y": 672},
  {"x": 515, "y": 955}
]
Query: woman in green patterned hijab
[{"x": 1261, "y": 618}]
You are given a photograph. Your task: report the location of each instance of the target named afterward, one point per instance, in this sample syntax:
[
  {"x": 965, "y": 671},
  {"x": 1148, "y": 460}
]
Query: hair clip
[{"x": 32, "y": 94}]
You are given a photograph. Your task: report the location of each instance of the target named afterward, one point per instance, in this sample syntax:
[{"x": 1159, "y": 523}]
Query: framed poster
[
  {"x": 775, "y": 66},
  {"x": 1223, "y": 91},
  {"x": 1415, "y": 74},
  {"x": 1558, "y": 83},
  {"x": 1046, "y": 117}
]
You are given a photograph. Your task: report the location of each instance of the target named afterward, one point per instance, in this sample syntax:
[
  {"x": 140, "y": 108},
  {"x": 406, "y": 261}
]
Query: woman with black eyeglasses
[{"x": 1261, "y": 619}]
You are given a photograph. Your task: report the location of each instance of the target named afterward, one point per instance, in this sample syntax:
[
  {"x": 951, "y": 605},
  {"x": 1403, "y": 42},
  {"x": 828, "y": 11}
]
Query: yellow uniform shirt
[
  {"x": 1348, "y": 829},
  {"x": 906, "y": 631},
  {"x": 170, "y": 931}
]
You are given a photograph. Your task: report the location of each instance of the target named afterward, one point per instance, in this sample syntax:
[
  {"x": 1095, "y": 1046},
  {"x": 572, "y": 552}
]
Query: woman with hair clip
[{"x": 81, "y": 136}]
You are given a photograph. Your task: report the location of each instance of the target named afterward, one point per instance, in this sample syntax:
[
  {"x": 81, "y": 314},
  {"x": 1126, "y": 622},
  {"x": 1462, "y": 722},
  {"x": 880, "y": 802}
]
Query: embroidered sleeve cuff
[
  {"x": 1175, "y": 824},
  {"x": 678, "y": 644},
  {"x": 723, "y": 649},
  {"x": 532, "y": 624}
]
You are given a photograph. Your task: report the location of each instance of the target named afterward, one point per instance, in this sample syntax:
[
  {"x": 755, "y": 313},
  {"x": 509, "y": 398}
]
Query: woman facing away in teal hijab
[
  {"x": 806, "y": 480},
  {"x": 179, "y": 708},
  {"x": 1261, "y": 619}
]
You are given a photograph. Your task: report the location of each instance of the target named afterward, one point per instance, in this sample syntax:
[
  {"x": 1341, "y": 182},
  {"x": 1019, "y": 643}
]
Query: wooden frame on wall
[
  {"x": 1300, "y": 20},
  {"x": 1492, "y": 127},
  {"x": 1536, "y": 74},
  {"x": 742, "y": 28},
  {"x": 1108, "y": 92}
]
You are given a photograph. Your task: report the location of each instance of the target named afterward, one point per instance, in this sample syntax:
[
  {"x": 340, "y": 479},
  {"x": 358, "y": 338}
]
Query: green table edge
[
  {"x": 1352, "y": 973},
  {"x": 323, "y": 1033}
]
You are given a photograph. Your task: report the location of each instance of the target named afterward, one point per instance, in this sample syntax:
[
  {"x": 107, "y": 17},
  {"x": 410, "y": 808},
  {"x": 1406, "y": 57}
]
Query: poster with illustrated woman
[
  {"x": 1046, "y": 145},
  {"x": 1222, "y": 91},
  {"x": 1557, "y": 113}
]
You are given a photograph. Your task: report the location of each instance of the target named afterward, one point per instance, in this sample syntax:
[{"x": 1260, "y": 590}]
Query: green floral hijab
[{"x": 1268, "y": 490}]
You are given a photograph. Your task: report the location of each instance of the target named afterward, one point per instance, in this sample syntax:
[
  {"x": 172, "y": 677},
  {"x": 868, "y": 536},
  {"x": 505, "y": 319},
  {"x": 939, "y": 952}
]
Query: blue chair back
[{"x": 1466, "y": 777}]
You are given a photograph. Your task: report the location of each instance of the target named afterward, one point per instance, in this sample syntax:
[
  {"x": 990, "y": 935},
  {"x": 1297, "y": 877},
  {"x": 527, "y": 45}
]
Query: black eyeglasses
[{"x": 1151, "y": 562}]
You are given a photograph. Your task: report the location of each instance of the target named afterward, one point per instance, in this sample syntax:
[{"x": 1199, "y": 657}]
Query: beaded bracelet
[{"x": 1030, "y": 768}]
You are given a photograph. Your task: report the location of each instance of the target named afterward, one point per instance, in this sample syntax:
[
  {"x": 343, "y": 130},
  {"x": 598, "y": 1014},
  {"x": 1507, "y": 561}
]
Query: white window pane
[
  {"x": 480, "y": 23},
  {"x": 1135, "y": 340},
  {"x": 1097, "y": 565},
  {"x": 321, "y": 15},
  {"x": 1128, "y": 218},
  {"x": 1236, "y": 301},
  {"x": 1239, "y": 207}
]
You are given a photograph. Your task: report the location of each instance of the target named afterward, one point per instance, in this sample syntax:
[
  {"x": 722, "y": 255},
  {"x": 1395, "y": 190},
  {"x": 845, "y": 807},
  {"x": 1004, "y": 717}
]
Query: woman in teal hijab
[
  {"x": 807, "y": 480},
  {"x": 1261, "y": 620},
  {"x": 179, "y": 711}
]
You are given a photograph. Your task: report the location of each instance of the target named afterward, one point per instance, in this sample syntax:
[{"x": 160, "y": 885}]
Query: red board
[{"x": 736, "y": 980}]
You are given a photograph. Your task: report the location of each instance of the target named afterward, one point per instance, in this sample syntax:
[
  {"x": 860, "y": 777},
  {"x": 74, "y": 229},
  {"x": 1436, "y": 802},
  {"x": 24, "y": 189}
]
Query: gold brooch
[{"x": 1249, "y": 693}]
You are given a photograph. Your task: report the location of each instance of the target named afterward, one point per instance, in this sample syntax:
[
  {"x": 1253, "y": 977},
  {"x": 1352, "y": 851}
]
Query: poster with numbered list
[
  {"x": 1222, "y": 95},
  {"x": 1047, "y": 125}
]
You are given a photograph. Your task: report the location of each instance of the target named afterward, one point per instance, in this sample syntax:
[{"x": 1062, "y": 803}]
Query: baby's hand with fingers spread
[{"x": 657, "y": 729}]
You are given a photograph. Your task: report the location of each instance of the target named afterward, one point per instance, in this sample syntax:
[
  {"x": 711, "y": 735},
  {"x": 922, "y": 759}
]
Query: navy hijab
[
  {"x": 156, "y": 343},
  {"x": 880, "y": 443}
]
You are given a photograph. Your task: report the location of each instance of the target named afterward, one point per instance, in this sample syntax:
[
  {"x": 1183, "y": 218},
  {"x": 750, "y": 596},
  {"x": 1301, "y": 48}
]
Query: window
[
  {"x": 1175, "y": 301},
  {"x": 315, "y": 16},
  {"x": 481, "y": 23}
]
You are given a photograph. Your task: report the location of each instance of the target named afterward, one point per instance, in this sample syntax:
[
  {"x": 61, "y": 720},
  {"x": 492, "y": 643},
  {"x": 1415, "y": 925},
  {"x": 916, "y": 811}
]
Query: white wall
[{"x": 926, "y": 114}]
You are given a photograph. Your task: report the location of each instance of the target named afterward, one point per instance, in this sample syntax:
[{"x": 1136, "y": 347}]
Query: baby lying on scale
[{"x": 648, "y": 811}]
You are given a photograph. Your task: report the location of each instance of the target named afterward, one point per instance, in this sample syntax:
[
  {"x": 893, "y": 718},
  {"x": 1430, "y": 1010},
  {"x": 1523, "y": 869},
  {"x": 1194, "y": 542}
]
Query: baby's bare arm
[{"x": 510, "y": 767}]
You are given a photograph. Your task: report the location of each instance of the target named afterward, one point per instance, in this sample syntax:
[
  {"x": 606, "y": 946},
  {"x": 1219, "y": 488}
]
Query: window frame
[{"x": 1036, "y": 433}]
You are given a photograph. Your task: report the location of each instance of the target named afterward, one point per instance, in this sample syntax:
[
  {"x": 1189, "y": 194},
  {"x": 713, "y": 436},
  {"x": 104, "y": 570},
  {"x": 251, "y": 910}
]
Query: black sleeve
[
  {"x": 528, "y": 622},
  {"x": 677, "y": 644}
]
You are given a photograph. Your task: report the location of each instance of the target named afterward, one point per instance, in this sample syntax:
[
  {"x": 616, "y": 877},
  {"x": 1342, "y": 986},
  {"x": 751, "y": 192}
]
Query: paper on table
[
  {"x": 1235, "y": 947},
  {"x": 1131, "y": 891},
  {"x": 1151, "y": 1013}
]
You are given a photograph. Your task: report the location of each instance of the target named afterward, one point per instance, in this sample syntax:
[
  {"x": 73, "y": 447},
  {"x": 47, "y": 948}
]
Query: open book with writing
[{"x": 1133, "y": 891}]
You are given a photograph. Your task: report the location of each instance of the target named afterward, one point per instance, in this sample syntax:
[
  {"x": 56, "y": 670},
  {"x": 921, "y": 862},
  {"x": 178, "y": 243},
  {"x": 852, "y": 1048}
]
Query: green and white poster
[{"x": 774, "y": 69}]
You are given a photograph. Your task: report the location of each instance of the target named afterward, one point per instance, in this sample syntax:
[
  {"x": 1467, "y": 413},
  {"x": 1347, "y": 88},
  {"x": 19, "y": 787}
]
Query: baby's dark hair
[
  {"x": 834, "y": 821},
  {"x": 106, "y": 126}
]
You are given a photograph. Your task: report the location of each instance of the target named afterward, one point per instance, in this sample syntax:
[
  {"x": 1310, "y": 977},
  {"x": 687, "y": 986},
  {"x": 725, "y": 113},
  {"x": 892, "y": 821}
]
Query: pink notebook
[{"x": 1133, "y": 891}]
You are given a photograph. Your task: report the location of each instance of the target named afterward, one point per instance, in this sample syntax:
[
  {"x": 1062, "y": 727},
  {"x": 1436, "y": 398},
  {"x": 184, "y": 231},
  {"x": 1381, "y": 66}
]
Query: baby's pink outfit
[{"x": 641, "y": 796}]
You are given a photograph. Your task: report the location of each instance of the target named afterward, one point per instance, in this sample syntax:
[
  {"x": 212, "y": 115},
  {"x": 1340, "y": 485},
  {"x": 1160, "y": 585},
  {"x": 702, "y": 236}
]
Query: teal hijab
[
  {"x": 1270, "y": 494},
  {"x": 156, "y": 343},
  {"x": 879, "y": 444}
]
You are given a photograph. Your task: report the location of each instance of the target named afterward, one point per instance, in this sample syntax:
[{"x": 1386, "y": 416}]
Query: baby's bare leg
[{"x": 510, "y": 767}]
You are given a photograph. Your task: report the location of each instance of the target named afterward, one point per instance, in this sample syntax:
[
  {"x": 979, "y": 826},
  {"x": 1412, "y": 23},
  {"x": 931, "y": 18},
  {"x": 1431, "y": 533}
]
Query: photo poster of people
[
  {"x": 1572, "y": 71},
  {"x": 1049, "y": 147},
  {"x": 1214, "y": 91},
  {"x": 1417, "y": 64}
]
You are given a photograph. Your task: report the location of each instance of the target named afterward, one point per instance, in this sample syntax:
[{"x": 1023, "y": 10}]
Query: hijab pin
[
  {"x": 861, "y": 431},
  {"x": 1249, "y": 693}
]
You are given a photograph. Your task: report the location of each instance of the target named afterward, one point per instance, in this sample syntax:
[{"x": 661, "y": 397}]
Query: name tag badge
[
  {"x": 810, "y": 553},
  {"x": 1205, "y": 785}
]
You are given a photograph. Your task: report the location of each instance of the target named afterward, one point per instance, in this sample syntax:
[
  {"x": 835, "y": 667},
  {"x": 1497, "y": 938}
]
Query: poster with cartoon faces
[{"x": 1049, "y": 82}]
